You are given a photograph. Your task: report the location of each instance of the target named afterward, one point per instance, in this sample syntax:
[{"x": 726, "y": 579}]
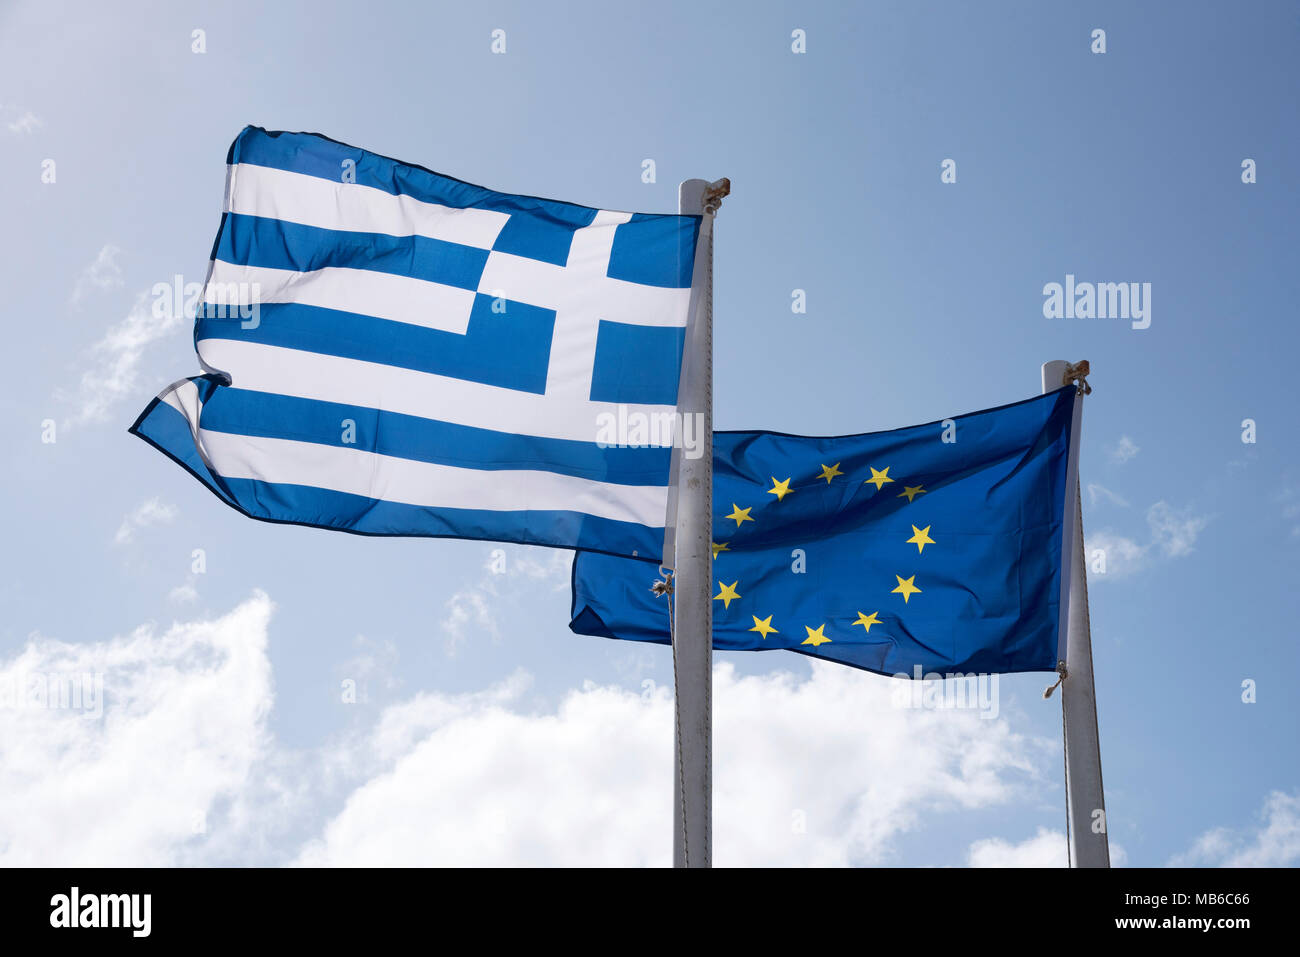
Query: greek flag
[{"x": 390, "y": 351}]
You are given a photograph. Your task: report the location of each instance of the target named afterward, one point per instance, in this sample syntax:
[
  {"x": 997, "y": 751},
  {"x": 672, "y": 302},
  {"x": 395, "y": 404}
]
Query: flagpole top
[
  {"x": 1058, "y": 373},
  {"x": 1078, "y": 374},
  {"x": 697, "y": 197}
]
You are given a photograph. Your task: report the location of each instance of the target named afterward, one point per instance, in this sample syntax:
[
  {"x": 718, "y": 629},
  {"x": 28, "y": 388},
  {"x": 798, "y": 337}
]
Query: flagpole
[
  {"x": 692, "y": 553},
  {"x": 1084, "y": 796}
]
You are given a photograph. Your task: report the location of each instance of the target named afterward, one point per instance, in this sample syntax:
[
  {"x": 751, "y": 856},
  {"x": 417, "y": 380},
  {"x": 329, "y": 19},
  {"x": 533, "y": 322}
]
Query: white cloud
[
  {"x": 152, "y": 512},
  {"x": 1290, "y": 501},
  {"x": 547, "y": 565},
  {"x": 182, "y": 723},
  {"x": 373, "y": 668},
  {"x": 471, "y": 611},
  {"x": 1173, "y": 533},
  {"x": 1099, "y": 494},
  {"x": 469, "y": 614},
  {"x": 1045, "y": 849},
  {"x": 1123, "y": 450},
  {"x": 1275, "y": 842},
  {"x": 1121, "y": 556},
  {"x": 114, "y": 366},
  {"x": 184, "y": 593},
  {"x": 24, "y": 121},
  {"x": 100, "y": 276},
  {"x": 181, "y": 768},
  {"x": 483, "y": 779}
]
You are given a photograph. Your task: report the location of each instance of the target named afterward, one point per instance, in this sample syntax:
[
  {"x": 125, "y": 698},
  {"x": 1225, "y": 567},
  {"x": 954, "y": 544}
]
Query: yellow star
[
  {"x": 829, "y": 472},
  {"x": 762, "y": 625},
  {"x": 921, "y": 538},
  {"x": 719, "y": 547},
  {"x": 727, "y": 593},
  {"x": 910, "y": 491},
  {"x": 906, "y": 587},
  {"x": 780, "y": 489},
  {"x": 814, "y": 638},
  {"x": 878, "y": 478},
  {"x": 866, "y": 621},
  {"x": 739, "y": 515}
]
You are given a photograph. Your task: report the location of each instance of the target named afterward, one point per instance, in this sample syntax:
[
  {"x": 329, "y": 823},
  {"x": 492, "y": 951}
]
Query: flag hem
[{"x": 135, "y": 429}]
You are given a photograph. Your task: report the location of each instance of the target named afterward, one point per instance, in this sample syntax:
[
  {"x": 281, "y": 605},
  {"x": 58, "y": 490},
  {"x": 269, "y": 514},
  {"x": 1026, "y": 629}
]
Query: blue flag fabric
[
  {"x": 936, "y": 547},
  {"x": 390, "y": 351}
]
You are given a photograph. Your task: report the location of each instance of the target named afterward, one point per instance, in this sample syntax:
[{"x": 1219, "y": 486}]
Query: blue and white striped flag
[{"x": 394, "y": 352}]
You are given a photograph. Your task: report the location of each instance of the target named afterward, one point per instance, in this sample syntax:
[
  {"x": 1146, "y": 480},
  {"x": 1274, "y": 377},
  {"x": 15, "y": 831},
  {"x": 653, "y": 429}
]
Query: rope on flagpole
[
  {"x": 1065, "y": 761},
  {"x": 663, "y": 588},
  {"x": 1062, "y": 674},
  {"x": 714, "y": 193}
]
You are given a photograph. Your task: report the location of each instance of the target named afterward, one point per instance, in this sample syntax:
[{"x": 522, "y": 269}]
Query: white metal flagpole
[
  {"x": 691, "y": 539},
  {"x": 1084, "y": 797}
]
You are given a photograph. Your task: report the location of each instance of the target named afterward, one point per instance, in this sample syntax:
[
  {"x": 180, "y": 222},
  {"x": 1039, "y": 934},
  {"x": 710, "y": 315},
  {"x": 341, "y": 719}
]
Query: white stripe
[
  {"x": 184, "y": 398},
  {"x": 383, "y": 295},
  {"x": 310, "y": 375},
  {"x": 422, "y": 483},
  {"x": 312, "y": 201}
]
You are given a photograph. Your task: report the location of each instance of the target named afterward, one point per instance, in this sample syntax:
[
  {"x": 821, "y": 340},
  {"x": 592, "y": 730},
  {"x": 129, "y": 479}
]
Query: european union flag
[{"x": 936, "y": 547}]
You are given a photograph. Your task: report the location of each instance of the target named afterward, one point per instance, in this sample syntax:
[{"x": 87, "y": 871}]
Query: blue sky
[{"x": 924, "y": 299}]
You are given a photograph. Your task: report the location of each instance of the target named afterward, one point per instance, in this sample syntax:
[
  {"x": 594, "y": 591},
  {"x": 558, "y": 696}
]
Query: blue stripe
[
  {"x": 167, "y": 430},
  {"x": 654, "y": 249},
  {"x": 319, "y": 156},
  {"x": 510, "y": 349},
  {"x": 276, "y": 244},
  {"x": 242, "y": 412},
  {"x": 163, "y": 427}
]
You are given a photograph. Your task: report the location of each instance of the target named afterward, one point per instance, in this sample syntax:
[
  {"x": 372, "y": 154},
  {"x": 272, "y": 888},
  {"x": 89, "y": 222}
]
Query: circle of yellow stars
[{"x": 816, "y": 637}]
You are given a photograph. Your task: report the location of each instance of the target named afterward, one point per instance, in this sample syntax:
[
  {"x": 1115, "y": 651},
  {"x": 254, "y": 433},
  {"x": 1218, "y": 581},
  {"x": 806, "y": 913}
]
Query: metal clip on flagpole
[
  {"x": 1084, "y": 795},
  {"x": 688, "y": 545}
]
